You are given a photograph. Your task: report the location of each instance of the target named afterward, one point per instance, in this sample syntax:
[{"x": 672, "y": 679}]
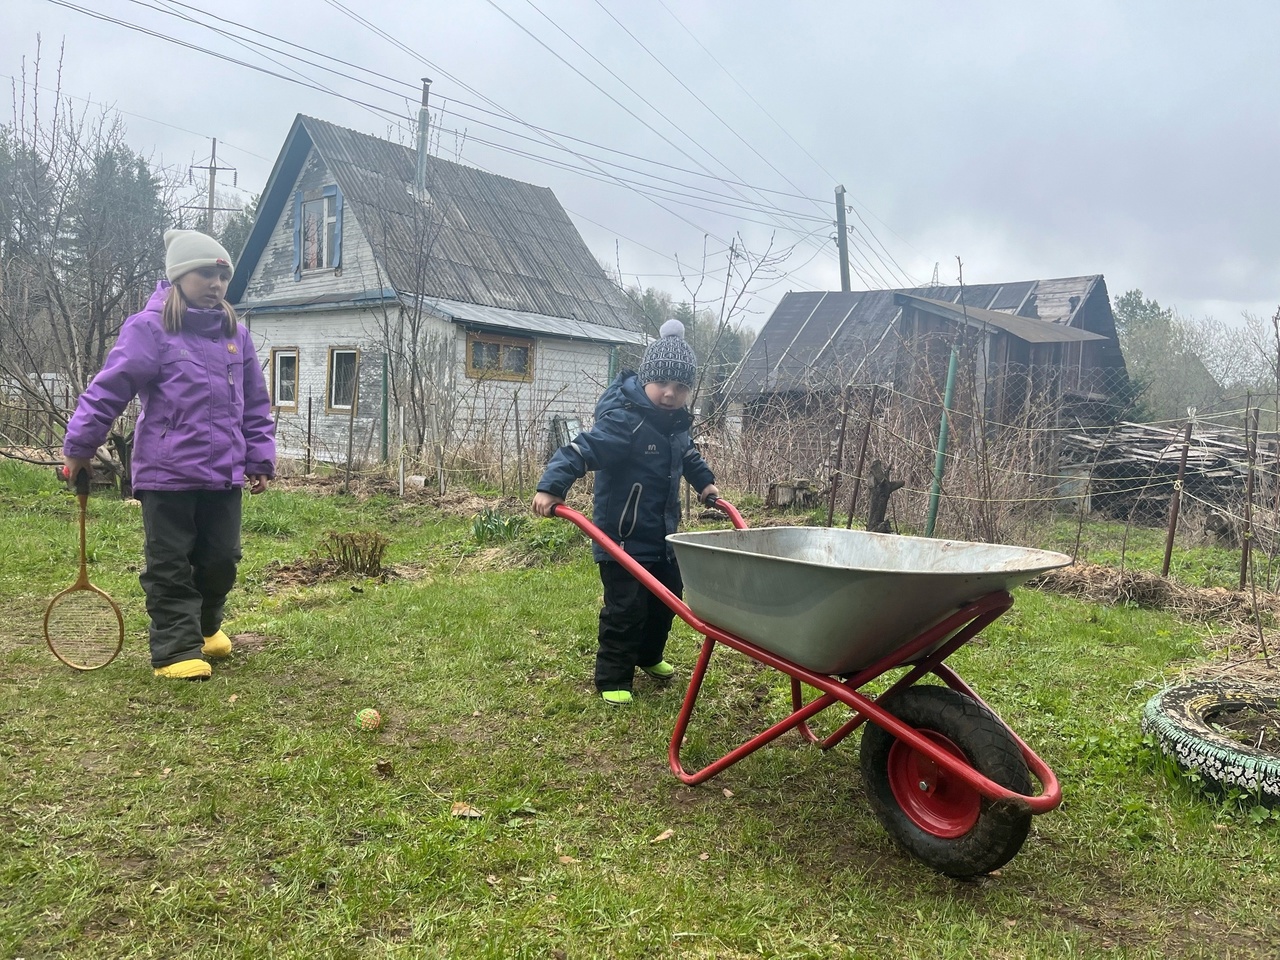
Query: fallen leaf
[
  {"x": 727, "y": 792},
  {"x": 166, "y": 771},
  {"x": 465, "y": 810},
  {"x": 569, "y": 860},
  {"x": 704, "y": 856},
  {"x": 384, "y": 769},
  {"x": 492, "y": 880},
  {"x": 664, "y": 835},
  {"x": 233, "y": 698}
]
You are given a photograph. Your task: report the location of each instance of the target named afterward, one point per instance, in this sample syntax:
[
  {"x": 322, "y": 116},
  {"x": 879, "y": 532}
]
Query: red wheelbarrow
[{"x": 836, "y": 609}]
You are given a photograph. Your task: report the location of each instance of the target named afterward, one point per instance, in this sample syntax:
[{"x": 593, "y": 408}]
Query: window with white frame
[
  {"x": 284, "y": 377},
  {"x": 499, "y": 358},
  {"x": 317, "y": 231},
  {"x": 343, "y": 365}
]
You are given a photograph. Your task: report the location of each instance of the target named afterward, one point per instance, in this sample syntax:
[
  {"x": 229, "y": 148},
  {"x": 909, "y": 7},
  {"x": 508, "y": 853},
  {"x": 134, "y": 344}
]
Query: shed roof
[
  {"x": 487, "y": 239},
  {"x": 1032, "y": 331},
  {"x": 833, "y": 338}
]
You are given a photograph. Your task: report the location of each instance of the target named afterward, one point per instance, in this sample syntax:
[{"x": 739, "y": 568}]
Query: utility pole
[
  {"x": 213, "y": 168},
  {"x": 842, "y": 240}
]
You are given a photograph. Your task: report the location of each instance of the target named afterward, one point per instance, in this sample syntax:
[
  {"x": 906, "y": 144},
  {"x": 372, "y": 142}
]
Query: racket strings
[{"x": 83, "y": 628}]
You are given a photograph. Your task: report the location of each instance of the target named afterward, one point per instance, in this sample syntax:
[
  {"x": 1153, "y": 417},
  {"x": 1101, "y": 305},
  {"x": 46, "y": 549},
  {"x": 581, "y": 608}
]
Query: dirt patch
[
  {"x": 455, "y": 503},
  {"x": 250, "y": 642},
  {"x": 1259, "y": 729},
  {"x": 308, "y": 572}
]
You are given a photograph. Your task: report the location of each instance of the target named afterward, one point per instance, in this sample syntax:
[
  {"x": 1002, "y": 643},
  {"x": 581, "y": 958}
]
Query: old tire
[
  {"x": 1180, "y": 719},
  {"x": 936, "y": 816}
]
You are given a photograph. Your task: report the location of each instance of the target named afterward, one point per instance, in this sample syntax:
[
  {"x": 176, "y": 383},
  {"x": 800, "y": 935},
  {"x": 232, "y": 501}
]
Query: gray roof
[
  {"x": 479, "y": 237},
  {"x": 495, "y": 318},
  {"x": 827, "y": 339},
  {"x": 1032, "y": 331}
]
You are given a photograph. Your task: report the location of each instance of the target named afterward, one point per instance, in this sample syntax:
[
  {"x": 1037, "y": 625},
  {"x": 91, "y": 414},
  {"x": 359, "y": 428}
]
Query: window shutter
[
  {"x": 334, "y": 192},
  {"x": 297, "y": 235}
]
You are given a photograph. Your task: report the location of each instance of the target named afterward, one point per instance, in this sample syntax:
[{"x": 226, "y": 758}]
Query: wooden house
[
  {"x": 383, "y": 285},
  {"x": 1023, "y": 349}
]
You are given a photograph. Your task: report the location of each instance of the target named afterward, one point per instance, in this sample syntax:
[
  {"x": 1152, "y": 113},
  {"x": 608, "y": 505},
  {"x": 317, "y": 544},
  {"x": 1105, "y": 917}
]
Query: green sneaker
[
  {"x": 616, "y": 697},
  {"x": 660, "y": 670}
]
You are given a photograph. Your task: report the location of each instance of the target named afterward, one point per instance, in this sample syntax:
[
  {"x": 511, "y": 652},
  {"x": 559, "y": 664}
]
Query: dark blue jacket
[{"x": 639, "y": 453}]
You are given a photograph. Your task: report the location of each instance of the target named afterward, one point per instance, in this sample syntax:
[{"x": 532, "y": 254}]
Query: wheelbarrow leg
[{"x": 796, "y": 719}]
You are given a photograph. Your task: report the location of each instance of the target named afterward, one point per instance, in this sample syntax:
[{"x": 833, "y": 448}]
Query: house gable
[{"x": 472, "y": 236}]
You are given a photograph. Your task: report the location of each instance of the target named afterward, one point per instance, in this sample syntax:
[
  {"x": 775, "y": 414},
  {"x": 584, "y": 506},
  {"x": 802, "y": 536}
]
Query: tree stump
[{"x": 881, "y": 487}]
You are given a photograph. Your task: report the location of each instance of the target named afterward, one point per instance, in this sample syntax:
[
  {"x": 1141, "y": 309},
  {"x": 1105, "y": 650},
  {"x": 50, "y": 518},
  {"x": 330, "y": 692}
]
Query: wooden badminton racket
[{"x": 83, "y": 625}]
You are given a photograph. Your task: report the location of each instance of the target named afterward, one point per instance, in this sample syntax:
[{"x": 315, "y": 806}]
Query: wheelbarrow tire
[{"x": 950, "y": 826}]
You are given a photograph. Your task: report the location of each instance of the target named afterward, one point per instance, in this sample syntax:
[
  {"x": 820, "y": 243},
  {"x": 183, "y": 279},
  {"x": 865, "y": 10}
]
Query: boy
[{"x": 639, "y": 447}]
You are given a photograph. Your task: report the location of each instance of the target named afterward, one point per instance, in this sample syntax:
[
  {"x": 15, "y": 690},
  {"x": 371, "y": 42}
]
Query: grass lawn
[{"x": 249, "y": 817}]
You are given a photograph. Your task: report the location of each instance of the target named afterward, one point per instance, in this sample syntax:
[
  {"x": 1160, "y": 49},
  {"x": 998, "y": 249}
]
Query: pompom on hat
[
  {"x": 187, "y": 250},
  {"x": 669, "y": 358}
]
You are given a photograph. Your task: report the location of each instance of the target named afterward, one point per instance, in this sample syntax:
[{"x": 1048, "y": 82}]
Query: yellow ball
[{"x": 368, "y": 719}]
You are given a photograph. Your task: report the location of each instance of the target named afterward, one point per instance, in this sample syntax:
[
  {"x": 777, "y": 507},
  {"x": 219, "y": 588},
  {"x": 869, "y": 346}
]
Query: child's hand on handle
[
  {"x": 71, "y": 466},
  {"x": 709, "y": 494},
  {"x": 257, "y": 482},
  {"x": 544, "y": 503}
]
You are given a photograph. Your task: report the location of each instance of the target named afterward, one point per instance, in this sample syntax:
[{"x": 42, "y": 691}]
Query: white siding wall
[{"x": 569, "y": 376}]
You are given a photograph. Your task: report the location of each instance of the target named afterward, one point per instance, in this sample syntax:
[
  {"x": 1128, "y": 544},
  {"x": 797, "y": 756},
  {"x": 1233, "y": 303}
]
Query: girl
[{"x": 204, "y": 432}]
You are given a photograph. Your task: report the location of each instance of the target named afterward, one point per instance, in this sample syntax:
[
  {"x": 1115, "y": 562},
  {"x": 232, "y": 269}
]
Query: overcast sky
[{"x": 1031, "y": 139}]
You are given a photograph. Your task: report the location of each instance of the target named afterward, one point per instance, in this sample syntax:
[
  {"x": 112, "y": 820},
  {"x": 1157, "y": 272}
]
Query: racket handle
[{"x": 82, "y": 481}]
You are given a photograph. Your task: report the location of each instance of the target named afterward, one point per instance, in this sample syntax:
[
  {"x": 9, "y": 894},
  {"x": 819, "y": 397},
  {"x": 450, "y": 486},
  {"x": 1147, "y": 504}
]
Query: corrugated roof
[
  {"x": 1032, "y": 331},
  {"x": 477, "y": 238},
  {"x": 835, "y": 337},
  {"x": 499, "y": 319}
]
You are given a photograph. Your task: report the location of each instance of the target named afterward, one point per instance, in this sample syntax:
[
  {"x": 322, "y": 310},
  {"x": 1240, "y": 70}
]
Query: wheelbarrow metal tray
[{"x": 834, "y": 601}]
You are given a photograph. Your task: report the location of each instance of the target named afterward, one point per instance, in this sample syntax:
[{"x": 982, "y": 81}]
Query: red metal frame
[{"x": 922, "y": 655}]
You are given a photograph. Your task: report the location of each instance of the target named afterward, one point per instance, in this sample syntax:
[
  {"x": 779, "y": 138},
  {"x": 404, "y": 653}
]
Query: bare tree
[{"x": 80, "y": 238}]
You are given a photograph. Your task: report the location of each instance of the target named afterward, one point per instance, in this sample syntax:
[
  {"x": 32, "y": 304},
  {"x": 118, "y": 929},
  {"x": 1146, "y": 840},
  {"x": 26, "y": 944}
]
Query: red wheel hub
[{"x": 936, "y": 801}]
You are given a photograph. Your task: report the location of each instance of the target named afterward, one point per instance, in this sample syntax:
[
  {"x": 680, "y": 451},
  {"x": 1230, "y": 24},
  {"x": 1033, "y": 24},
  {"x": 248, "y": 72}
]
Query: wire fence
[{"x": 829, "y": 456}]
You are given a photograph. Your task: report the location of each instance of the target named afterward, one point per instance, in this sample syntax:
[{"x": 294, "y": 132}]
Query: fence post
[
  {"x": 307, "y": 471},
  {"x": 1246, "y": 538},
  {"x": 940, "y": 461},
  {"x": 835, "y": 477},
  {"x": 515, "y": 402},
  {"x": 862, "y": 454},
  {"x": 1175, "y": 502}
]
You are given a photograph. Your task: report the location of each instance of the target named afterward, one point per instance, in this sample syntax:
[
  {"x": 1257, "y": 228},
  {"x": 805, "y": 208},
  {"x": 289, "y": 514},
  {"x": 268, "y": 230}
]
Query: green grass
[{"x": 248, "y": 817}]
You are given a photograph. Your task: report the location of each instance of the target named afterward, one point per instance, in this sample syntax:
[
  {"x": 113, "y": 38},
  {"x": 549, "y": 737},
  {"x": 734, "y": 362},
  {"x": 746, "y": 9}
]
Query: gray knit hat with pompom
[{"x": 669, "y": 357}]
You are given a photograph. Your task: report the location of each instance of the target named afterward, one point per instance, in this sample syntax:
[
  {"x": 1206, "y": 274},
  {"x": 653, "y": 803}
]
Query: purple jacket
[{"x": 206, "y": 416}]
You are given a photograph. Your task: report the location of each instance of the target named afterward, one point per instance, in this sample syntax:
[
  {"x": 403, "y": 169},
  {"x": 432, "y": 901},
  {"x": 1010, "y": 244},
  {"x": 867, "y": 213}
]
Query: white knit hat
[{"x": 187, "y": 250}]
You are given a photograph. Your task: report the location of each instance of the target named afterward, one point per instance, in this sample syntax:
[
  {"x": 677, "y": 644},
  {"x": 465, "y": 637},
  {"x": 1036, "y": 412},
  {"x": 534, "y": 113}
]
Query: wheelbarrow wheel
[{"x": 936, "y": 816}]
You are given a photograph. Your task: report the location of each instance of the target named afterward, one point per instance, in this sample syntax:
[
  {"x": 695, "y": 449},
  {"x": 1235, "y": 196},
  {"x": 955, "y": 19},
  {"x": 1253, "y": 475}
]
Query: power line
[{"x": 306, "y": 83}]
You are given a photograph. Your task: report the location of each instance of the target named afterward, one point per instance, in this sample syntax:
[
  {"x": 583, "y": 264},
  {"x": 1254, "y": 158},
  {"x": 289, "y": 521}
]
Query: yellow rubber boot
[
  {"x": 185, "y": 670},
  {"x": 218, "y": 646}
]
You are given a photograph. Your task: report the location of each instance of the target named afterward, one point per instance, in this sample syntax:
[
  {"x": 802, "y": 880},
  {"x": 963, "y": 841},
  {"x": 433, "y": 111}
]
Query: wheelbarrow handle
[{"x": 720, "y": 503}]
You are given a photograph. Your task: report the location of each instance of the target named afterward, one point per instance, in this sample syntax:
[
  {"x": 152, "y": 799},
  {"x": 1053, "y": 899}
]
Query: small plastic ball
[{"x": 368, "y": 719}]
